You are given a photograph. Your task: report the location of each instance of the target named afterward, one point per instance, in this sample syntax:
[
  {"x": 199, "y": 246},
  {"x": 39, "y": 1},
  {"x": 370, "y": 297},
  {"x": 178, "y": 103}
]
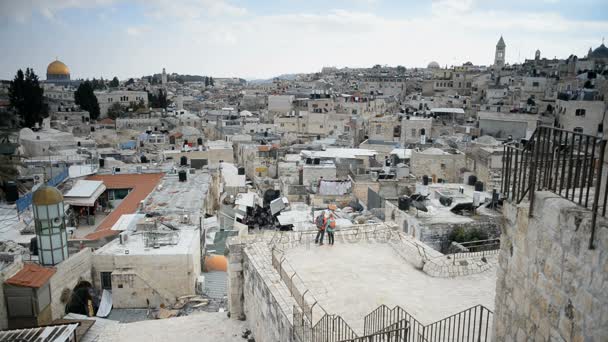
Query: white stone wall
[
  {"x": 158, "y": 278},
  {"x": 594, "y": 115},
  {"x": 69, "y": 273},
  {"x": 551, "y": 286},
  {"x": 312, "y": 174},
  {"x": 444, "y": 166}
]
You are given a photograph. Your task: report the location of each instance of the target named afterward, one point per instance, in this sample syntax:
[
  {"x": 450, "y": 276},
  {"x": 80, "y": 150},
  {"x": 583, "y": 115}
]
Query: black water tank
[
  {"x": 472, "y": 180},
  {"x": 144, "y": 159},
  {"x": 199, "y": 141},
  {"x": 34, "y": 246},
  {"x": 445, "y": 201},
  {"x": 102, "y": 162},
  {"x": 183, "y": 175},
  {"x": 183, "y": 161},
  {"x": 479, "y": 186},
  {"x": 12, "y": 194},
  {"x": 425, "y": 180},
  {"x": 241, "y": 171},
  {"x": 404, "y": 203}
]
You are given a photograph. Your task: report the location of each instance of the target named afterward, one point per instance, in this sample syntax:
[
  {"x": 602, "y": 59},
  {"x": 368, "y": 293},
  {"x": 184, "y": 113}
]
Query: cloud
[
  {"x": 137, "y": 30},
  {"x": 22, "y": 10}
]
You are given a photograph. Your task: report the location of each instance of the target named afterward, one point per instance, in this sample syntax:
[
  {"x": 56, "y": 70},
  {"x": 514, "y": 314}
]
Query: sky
[{"x": 265, "y": 38}]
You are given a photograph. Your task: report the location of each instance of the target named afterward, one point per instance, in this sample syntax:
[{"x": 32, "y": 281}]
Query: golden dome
[
  {"x": 216, "y": 263},
  {"x": 47, "y": 195},
  {"x": 57, "y": 68}
]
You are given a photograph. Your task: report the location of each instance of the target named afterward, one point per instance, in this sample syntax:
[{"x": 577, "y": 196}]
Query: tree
[
  {"x": 114, "y": 83},
  {"x": 206, "y": 81},
  {"x": 211, "y": 81},
  {"x": 86, "y": 99},
  {"x": 26, "y": 97},
  {"x": 115, "y": 111},
  {"x": 98, "y": 84},
  {"x": 158, "y": 101},
  {"x": 130, "y": 81},
  {"x": 401, "y": 69}
]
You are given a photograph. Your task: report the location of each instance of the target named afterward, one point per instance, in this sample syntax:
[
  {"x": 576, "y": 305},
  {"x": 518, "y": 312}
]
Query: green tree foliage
[
  {"x": 461, "y": 235},
  {"x": 401, "y": 69},
  {"x": 98, "y": 84},
  {"x": 129, "y": 82},
  {"x": 116, "y": 110},
  {"x": 26, "y": 97},
  {"x": 86, "y": 99},
  {"x": 114, "y": 83},
  {"x": 206, "y": 81},
  {"x": 211, "y": 81},
  {"x": 158, "y": 100}
]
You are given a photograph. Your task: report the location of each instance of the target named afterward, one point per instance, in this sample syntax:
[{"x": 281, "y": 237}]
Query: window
[
  {"x": 580, "y": 112},
  {"x": 320, "y": 126},
  {"x": 442, "y": 166},
  {"x": 535, "y": 84},
  {"x": 106, "y": 280},
  {"x": 413, "y": 132},
  {"x": 378, "y": 129},
  {"x": 578, "y": 129},
  {"x": 397, "y": 132}
]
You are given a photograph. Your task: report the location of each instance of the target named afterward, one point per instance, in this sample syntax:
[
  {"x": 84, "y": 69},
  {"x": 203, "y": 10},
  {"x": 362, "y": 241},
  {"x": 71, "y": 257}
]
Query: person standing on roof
[
  {"x": 320, "y": 222},
  {"x": 330, "y": 226}
]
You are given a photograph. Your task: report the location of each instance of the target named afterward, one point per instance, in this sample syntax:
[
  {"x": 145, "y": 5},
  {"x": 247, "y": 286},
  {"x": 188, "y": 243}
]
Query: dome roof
[
  {"x": 216, "y": 263},
  {"x": 47, "y": 195},
  {"x": 57, "y": 68},
  {"x": 600, "y": 52},
  {"x": 433, "y": 65}
]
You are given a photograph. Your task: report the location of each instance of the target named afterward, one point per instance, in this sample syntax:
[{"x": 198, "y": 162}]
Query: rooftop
[
  {"x": 141, "y": 184},
  {"x": 344, "y": 153},
  {"x": 186, "y": 244},
  {"x": 32, "y": 275},
  {"x": 381, "y": 276}
]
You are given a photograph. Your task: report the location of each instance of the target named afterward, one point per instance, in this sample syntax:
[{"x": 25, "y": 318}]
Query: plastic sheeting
[{"x": 105, "y": 304}]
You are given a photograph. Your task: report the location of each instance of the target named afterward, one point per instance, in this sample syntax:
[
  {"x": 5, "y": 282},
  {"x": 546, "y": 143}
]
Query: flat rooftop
[
  {"x": 353, "y": 279},
  {"x": 186, "y": 244}
]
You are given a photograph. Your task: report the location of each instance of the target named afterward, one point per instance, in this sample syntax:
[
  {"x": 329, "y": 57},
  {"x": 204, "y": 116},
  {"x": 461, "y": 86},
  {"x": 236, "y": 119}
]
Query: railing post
[
  {"x": 534, "y": 164},
  {"x": 596, "y": 195}
]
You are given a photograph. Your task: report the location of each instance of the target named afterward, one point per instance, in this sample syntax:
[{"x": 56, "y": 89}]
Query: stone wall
[
  {"x": 69, "y": 273},
  {"x": 443, "y": 166},
  {"x": 551, "y": 286},
  {"x": 267, "y": 303}
]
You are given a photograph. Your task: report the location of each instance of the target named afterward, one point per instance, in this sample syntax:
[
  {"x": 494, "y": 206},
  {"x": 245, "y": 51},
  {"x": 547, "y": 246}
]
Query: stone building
[{"x": 438, "y": 164}]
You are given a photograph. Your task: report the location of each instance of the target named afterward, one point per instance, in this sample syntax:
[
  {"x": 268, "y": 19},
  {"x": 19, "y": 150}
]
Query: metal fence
[
  {"x": 473, "y": 324},
  {"x": 569, "y": 164}
]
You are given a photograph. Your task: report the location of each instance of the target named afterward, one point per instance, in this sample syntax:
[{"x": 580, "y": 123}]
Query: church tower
[
  {"x": 163, "y": 77},
  {"x": 499, "y": 57}
]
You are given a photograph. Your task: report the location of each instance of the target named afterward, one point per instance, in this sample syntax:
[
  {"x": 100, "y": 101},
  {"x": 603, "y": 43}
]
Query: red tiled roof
[
  {"x": 106, "y": 121},
  {"x": 141, "y": 186},
  {"x": 32, "y": 275}
]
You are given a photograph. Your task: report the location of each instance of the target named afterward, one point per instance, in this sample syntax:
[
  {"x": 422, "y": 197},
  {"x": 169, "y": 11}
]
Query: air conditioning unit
[{"x": 123, "y": 238}]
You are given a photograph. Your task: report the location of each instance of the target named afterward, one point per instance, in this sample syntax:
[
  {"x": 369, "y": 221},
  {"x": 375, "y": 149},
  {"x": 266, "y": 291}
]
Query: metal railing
[
  {"x": 473, "y": 324},
  {"x": 569, "y": 164}
]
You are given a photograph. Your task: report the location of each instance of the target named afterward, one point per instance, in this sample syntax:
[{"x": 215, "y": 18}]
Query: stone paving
[
  {"x": 200, "y": 327},
  {"x": 352, "y": 280}
]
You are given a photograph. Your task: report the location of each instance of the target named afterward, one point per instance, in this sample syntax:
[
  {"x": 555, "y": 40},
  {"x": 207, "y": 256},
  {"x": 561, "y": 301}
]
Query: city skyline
[{"x": 263, "y": 39}]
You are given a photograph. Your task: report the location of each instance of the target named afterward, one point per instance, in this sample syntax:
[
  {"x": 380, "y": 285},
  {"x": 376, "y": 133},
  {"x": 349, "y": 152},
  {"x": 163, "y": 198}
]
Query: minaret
[
  {"x": 163, "y": 77},
  {"x": 499, "y": 57},
  {"x": 537, "y": 55}
]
